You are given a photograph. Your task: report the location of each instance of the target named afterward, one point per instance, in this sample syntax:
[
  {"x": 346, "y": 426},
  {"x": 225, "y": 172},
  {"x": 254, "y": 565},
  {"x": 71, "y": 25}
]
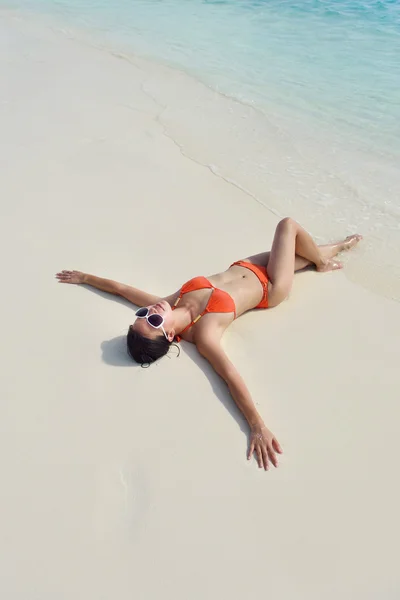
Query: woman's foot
[
  {"x": 331, "y": 250},
  {"x": 329, "y": 265},
  {"x": 351, "y": 241}
]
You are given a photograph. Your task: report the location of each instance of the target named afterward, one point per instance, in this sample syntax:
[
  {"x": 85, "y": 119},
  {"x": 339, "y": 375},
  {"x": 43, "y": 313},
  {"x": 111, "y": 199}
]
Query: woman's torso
[{"x": 240, "y": 283}]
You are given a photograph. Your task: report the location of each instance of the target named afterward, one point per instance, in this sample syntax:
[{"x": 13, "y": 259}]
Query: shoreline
[
  {"x": 112, "y": 473},
  {"x": 222, "y": 144}
]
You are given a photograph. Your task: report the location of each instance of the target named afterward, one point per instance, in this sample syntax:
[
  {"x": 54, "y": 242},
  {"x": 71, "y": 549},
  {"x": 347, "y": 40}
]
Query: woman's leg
[
  {"x": 327, "y": 250},
  {"x": 293, "y": 249}
]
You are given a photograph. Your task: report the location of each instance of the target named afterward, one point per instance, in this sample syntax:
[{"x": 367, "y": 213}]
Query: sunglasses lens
[
  {"x": 155, "y": 320},
  {"x": 142, "y": 312}
]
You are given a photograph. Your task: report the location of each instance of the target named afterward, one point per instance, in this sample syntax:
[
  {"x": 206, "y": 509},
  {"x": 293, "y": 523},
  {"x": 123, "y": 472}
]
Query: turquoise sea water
[{"x": 308, "y": 111}]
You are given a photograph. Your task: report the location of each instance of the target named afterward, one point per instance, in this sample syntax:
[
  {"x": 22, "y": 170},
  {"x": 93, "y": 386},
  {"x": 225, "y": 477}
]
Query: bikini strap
[
  {"x": 177, "y": 300},
  {"x": 194, "y": 321},
  {"x": 198, "y": 316}
]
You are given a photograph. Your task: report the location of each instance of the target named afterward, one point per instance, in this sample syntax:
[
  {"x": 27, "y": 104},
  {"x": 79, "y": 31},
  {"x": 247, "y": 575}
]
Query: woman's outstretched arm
[
  {"x": 262, "y": 442},
  {"x": 137, "y": 297}
]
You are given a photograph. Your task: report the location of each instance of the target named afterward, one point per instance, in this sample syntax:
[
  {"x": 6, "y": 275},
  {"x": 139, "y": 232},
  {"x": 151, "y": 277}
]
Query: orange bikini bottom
[{"x": 261, "y": 273}]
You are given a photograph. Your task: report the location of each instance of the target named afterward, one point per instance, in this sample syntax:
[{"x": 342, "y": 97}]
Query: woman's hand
[
  {"x": 265, "y": 446},
  {"x": 71, "y": 277}
]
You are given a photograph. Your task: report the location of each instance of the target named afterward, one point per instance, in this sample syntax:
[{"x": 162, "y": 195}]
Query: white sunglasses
[{"x": 154, "y": 320}]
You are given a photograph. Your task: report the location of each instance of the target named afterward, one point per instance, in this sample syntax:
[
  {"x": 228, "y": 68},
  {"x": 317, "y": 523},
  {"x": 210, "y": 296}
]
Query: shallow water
[{"x": 308, "y": 110}]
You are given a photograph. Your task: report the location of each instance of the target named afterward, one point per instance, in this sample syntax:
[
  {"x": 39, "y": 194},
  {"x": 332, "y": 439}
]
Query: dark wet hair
[{"x": 145, "y": 350}]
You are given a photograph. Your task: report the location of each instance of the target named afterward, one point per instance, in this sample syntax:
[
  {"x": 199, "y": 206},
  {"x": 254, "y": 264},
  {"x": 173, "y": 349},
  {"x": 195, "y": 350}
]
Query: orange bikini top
[{"x": 219, "y": 301}]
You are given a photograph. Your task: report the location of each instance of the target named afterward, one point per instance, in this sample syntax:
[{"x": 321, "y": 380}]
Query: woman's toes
[
  {"x": 330, "y": 265},
  {"x": 352, "y": 240},
  {"x": 336, "y": 264}
]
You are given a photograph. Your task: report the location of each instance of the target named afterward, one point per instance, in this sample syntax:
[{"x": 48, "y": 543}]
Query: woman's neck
[{"x": 182, "y": 318}]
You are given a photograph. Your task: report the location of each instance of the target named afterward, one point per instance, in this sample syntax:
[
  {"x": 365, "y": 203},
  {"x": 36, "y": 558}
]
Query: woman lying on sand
[{"x": 204, "y": 307}]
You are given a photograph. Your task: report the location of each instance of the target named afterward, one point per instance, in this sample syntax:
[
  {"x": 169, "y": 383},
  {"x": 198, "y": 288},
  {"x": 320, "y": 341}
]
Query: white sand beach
[{"x": 120, "y": 482}]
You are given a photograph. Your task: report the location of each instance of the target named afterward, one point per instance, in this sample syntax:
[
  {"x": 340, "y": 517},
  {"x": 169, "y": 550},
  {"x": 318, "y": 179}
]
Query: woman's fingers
[
  {"x": 265, "y": 458},
  {"x": 264, "y": 448},
  {"x": 259, "y": 457},
  {"x": 264, "y": 454},
  {"x": 64, "y": 277},
  {"x": 251, "y": 450},
  {"x": 272, "y": 456},
  {"x": 276, "y": 446}
]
